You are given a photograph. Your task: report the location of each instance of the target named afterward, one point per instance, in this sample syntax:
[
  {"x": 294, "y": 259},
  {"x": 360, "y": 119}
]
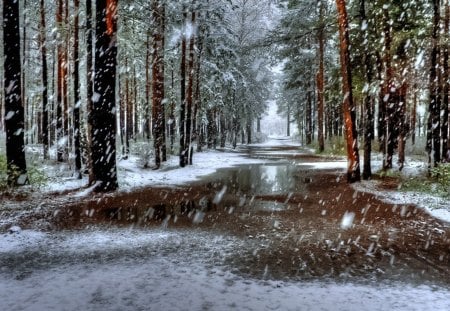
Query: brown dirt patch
[{"x": 302, "y": 239}]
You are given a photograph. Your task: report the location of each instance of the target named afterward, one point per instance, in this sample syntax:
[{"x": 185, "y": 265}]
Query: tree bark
[
  {"x": 14, "y": 110},
  {"x": 389, "y": 95},
  {"x": 45, "y": 105},
  {"x": 368, "y": 122},
  {"x": 59, "y": 88},
  {"x": 190, "y": 90},
  {"x": 321, "y": 79},
  {"x": 76, "y": 84},
  {"x": 446, "y": 88},
  {"x": 158, "y": 80},
  {"x": 183, "y": 155},
  {"x": 90, "y": 88},
  {"x": 433, "y": 130},
  {"x": 353, "y": 170},
  {"x": 104, "y": 103},
  {"x": 402, "y": 126}
]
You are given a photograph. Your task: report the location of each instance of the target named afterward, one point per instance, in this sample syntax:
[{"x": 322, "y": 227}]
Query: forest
[
  {"x": 200, "y": 73},
  {"x": 266, "y": 147}
]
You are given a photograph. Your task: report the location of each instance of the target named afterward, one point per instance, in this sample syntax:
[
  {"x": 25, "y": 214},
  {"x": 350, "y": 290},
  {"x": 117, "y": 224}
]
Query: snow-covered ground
[
  {"x": 132, "y": 269},
  {"x": 132, "y": 175},
  {"x": 435, "y": 205},
  {"x": 136, "y": 269}
]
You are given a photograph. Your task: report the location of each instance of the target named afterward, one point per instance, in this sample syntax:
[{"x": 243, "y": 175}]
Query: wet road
[{"x": 242, "y": 237}]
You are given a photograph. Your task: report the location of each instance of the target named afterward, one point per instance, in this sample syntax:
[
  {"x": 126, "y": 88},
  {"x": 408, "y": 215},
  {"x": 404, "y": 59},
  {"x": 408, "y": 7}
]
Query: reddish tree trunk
[{"x": 353, "y": 171}]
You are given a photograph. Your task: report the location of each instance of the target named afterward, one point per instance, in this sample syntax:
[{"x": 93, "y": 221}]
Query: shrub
[
  {"x": 441, "y": 175},
  {"x": 36, "y": 176}
]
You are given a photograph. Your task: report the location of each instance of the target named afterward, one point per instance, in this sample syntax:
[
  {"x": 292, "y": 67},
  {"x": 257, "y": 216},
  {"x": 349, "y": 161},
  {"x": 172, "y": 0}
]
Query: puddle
[{"x": 264, "y": 188}]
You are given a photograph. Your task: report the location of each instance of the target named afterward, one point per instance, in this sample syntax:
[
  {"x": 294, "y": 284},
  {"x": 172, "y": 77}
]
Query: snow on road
[{"x": 171, "y": 270}]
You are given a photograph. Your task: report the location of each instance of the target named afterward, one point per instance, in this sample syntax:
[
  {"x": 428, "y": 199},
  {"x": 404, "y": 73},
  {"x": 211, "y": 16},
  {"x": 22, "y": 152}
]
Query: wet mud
[{"x": 297, "y": 222}]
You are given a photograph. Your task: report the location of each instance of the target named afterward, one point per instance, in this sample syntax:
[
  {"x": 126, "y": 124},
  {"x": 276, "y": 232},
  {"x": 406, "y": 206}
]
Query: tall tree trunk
[
  {"x": 76, "y": 90},
  {"x": 433, "y": 130},
  {"x": 158, "y": 80},
  {"x": 65, "y": 81},
  {"x": 129, "y": 112},
  {"x": 147, "y": 123},
  {"x": 368, "y": 122},
  {"x": 308, "y": 116},
  {"x": 90, "y": 89},
  {"x": 45, "y": 110},
  {"x": 163, "y": 106},
  {"x": 104, "y": 103},
  {"x": 288, "y": 120},
  {"x": 190, "y": 90},
  {"x": 122, "y": 119},
  {"x": 389, "y": 95},
  {"x": 414, "y": 115},
  {"x": 402, "y": 126},
  {"x": 321, "y": 79},
  {"x": 172, "y": 122},
  {"x": 183, "y": 155},
  {"x": 445, "y": 82},
  {"x": 197, "y": 97},
  {"x": 59, "y": 89},
  {"x": 14, "y": 111},
  {"x": 353, "y": 170},
  {"x": 27, "y": 115}
]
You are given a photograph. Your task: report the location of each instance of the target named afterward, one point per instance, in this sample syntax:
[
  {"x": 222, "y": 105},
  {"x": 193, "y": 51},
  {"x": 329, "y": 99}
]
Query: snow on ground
[
  {"x": 205, "y": 163},
  {"x": 172, "y": 270},
  {"x": 131, "y": 173},
  {"x": 436, "y": 206}
]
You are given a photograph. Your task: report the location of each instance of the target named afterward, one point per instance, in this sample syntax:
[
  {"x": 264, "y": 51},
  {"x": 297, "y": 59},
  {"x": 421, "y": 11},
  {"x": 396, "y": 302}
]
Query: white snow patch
[
  {"x": 20, "y": 239},
  {"x": 347, "y": 220},
  {"x": 144, "y": 276}
]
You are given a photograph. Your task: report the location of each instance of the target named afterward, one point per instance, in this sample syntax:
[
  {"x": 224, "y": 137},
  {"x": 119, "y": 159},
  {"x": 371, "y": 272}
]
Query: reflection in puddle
[{"x": 242, "y": 189}]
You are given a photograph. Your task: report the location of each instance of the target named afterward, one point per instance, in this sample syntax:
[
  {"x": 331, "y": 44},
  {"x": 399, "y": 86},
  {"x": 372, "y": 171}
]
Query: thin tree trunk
[
  {"x": 183, "y": 155},
  {"x": 147, "y": 129},
  {"x": 129, "y": 112},
  {"x": 190, "y": 90},
  {"x": 433, "y": 130},
  {"x": 402, "y": 126},
  {"x": 90, "y": 89},
  {"x": 59, "y": 88},
  {"x": 172, "y": 122},
  {"x": 414, "y": 116},
  {"x": 163, "y": 104},
  {"x": 389, "y": 95},
  {"x": 368, "y": 122},
  {"x": 158, "y": 80},
  {"x": 65, "y": 83},
  {"x": 308, "y": 117},
  {"x": 446, "y": 88},
  {"x": 76, "y": 82},
  {"x": 14, "y": 110},
  {"x": 353, "y": 170},
  {"x": 197, "y": 96},
  {"x": 321, "y": 79},
  {"x": 45, "y": 110}
]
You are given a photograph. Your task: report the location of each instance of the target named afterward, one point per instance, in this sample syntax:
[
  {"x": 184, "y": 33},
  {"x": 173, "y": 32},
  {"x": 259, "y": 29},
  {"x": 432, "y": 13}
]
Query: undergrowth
[
  {"x": 437, "y": 183},
  {"x": 333, "y": 147},
  {"x": 36, "y": 176}
]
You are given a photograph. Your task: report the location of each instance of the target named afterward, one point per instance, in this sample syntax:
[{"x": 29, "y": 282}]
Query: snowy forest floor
[{"x": 282, "y": 230}]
